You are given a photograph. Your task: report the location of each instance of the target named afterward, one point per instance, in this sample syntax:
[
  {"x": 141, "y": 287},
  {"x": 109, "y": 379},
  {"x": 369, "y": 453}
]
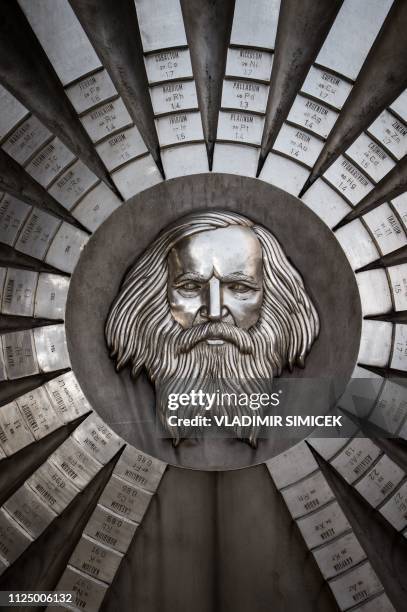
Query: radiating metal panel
[
  {"x": 308, "y": 495},
  {"x": 52, "y": 486},
  {"x": 13, "y": 539},
  {"x": 39, "y": 413},
  {"x": 88, "y": 593},
  {"x": 375, "y": 343},
  {"x": 324, "y": 525},
  {"x": 353, "y": 32},
  {"x": 245, "y": 95},
  {"x": 73, "y": 461},
  {"x": 326, "y": 203},
  {"x": 312, "y": 115},
  {"x": 249, "y": 63},
  {"x": 18, "y": 292},
  {"x": 140, "y": 469},
  {"x": 97, "y": 438},
  {"x": 50, "y": 162},
  {"x": 399, "y": 105},
  {"x": 380, "y": 481},
  {"x": 72, "y": 184},
  {"x": 51, "y": 296},
  {"x": 124, "y": 499},
  {"x": 13, "y": 213},
  {"x": 51, "y": 348},
  {"x": 374, "y": 292},
  {"x": 235, "y": 159},
  {"x": 11, "y": 112},
  {"x": 395, "y": 509},
  {"x": 372, "y": 158},
  {"x": 386, "y": 229},
  {"x": 378, "y": 604},
  {"x": 173, "y": 97},
  {"x": 255, "y": 24},
  {"x": 399, "y": 356},
  {"x": 14, "y": 433},
  {"x": 107, "y": 119},
  {"x": 339, "y": 556},
  {"x": 67, "y": 397},
  {"x": 357, "y": 244},
  {"x": 26, "y": 139},
  {"x": 110, "y": 529},
  {"x": 185, "y": 159},
  {"x": 328, "y": 447},
  {"x": 121, "y": 148},
  {"x": 355, "y": 586},
  {"x": 391, "y": 132},
  {"x": 399, "y": 204},
  {"x": 293, "y": 464},
  {"x": 398, "y": 283},
  {"x": 168, "y": 65},
  {"x": 91, "y": 91},
  {"x": 136, "y": 176},
  {"x": 391, "y": 408},
  {"x": 240, "y": 127},
  {"x": 284, "y": 173},
  {"x": 178, "y": 128},
  {"x": 161, "y": 24},
  {"x": 348, "y": 180},
  {"x": 59, "y": 31},
  {"x": 354, "y": 460},
  {"x": 96, "y": 207},
  {"x": 300, "y": 145},
  {"x": 37, "y": 233},
  {"x": 94, "y": 559},
  {"x": 66, "y": 247},
  {"x": 29, "y": 511},
  {"x": 19, "y": 354},
  {"x": 327, "y": 87}
]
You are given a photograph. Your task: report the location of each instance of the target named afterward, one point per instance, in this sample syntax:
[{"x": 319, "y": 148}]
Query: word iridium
[{"x": 211, "y": 400}]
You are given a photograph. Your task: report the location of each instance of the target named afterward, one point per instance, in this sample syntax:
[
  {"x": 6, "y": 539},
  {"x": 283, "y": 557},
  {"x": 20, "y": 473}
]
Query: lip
[{"x": 217, "y": 341}]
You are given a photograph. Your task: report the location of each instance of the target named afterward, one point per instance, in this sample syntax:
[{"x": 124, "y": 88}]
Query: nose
[{"x": 214, "y": 300}]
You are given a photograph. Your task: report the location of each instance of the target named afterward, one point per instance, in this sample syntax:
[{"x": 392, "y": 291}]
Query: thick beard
[{"x": 237, "y": 366}]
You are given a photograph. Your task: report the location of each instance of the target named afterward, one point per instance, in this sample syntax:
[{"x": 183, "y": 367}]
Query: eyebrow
[
  {"x": 233, "y": 277},
  {"x": 190, "y": 276}
]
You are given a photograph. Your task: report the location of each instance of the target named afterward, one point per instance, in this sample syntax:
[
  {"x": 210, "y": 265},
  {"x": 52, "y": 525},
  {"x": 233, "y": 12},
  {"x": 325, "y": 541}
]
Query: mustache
[{"x": 223, "y": 331}]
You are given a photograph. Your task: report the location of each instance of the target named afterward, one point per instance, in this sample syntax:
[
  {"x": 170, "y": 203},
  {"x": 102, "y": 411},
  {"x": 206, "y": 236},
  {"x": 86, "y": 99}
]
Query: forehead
[{"x": 224, "y": 250}]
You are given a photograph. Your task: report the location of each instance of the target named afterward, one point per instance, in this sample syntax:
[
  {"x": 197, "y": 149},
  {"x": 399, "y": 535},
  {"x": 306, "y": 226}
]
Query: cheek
[
  {"x": 183, "y": 309},
  {"x": 245, "y": 310}
]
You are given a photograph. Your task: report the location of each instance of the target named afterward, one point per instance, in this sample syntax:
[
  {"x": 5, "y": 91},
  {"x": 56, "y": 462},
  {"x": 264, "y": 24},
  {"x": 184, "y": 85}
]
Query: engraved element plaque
[
  {"x": 124, "y": 499},
  {"x": 173, "y": 97},
  {"x": 19, "y": 354},
  {"x": 372, "y": 158},
  {"x": 249, "y": 64},
  {"x": 391, "y": 132},
  {"x": 299, "y": 145},
  {"x": 399, "y": 356},
  {"x": 27, "y": 509},
  {"x": 375, "y": 344},
  {"x": 38, "y": 412},
  {"x": 94, "y": 559},
  {"x": 12, "y": 112},
  {"x": 73, "y": 184},
  {"x": 391, "y": 408},
  {"x": 13, "y": 213},
  {"x": 136, "y": 176},
  {"x": 168, "y": 65},
  {"x": 284, "y": 173},
  {"x": 107, "y": 119},
  {"x": 398, "y": 282},
  {"x": 37, "y": 233},
  {"x": 26, "y": 139},
  {"x": 50, "y": 296},
  {"x": 385, "y": 228},
  {"x": 14, "y": 433},
  {"x": 244, "y": 95},
  {"x": 110, "y": 529},
  {"x": 235, "y": 159},
  {"x": 91, "y": 91},
  {"x": 185, "y": 159},
  {"x": 380, "y": 481},
  {"x": 88, "y": 593},
  {"x": 51, "y": 349},
  {"x": 50, "y": 162},
  {"x": 356, "y": 459},
  {"x": 52, "y": 486},
  {"x": 73, "y": 461},
  {"x": 395, "y": 509},
  {"x": 96, "y": 206},
  {"x": 140, "y": 469},
  {"x": 97, "y": 439},
  {"x": 18, "y": 293},
  {"x": 308, "y": 495},
  {"x": 293, "y": 464},
  {"x": 355, "y": 586},
  {"x": 374, "y": 292},
  {"x": 13, "y": 539},
  {"x": 328, "y": 87},
  {"x": 67, "y": 397},
  {"x": 312, "y": 115},
  {"x": 348, "y": 180},
  {"x": 66, "y": 247},
  {"x": 178, "y": 128},
  {"x": 323, "y": 526},
  {"x": 240, "y": 127},
  {"x": 339, "y": 556},
  {"x": 121, "y": 148},
  {"x": 357, "y": 244}
]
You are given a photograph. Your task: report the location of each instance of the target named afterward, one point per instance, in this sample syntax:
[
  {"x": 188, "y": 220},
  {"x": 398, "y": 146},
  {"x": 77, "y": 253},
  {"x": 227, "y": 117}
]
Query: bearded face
[{"x": 213, "y": 305}]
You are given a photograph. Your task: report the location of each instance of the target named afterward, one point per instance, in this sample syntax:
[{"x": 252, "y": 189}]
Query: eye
[
  {"x": 189, "y": 288},
  {"x": 240, "y": 288}
]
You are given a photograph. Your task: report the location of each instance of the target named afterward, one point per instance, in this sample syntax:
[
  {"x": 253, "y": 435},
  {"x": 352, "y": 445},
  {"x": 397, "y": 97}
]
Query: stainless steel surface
[
  {"x": 96, "y": 206},
  {"x": 235, "y": 159},
  {"x": 307, "y": 495},
  {"x": 110, "y": 529},
  {"x": 356, "y": 458},
  {"x": 66, "y": 246},
  {"x": 50, "y": 347},
  {"x": 395, "y": 509},
  {"x": 249, "y": 63},
  {"x": 348, "y": 180},
  {"x": 380, "y": 481},
  {"x": 339, "y": 556},
  {"x": 49, "y": 162},
  {"x": 136, "y": 176},
  {"x": 326, "y": 203},
  {"x": 244, "y": 95},
  {"x": 95, "y": 559},
  {"x": 391, "y": 408},
  {"x": 284, "y": 173},
  {"x": 399, "y": 354},
  {"x": 386, "y": 229},
  {"x": 88, "y": 593},
  {"x": 398, "y": 285},
  {"x": 26, "y": 139},
  {"x": 51, "y": 296},
  {"x": 292, "y": 465},
  {"x": 39, "y": 414},
  {"x": 312, "y": 115},
  {"x": 255, "y": 25},
  {"x": 173, "y": 97},
  {"x": 19, "y": 292},
  {"x": 353, "y": 32},
  {"x": 161, "y": 24},
  {"x": 14, "y": 433},
  {"x": 399, "y": 105},
  {"x": 75, "y": 463},
  {"x": 369, "y": 156},
  {"x": 13, "y": 539},
  {"x": 184, "y": 159},
  {"x": 27, "y": 509},
  {"x": 19, "y": 354},
  {"x": 97, "y": 438},
  {"x": 375, "y": 343},
  {"x": 327, "y": 87},
  {"x": 140, "y": 469},
  {"x": 328, "y": 447},
  {"x": 391, "y": 132},
  {"x": 121, "y": 148},
  {"x": 168, "y": 65},
  {"x": 323, "y": 526},
  {"x": 356, "y": 586},
  {"x": 13, "y": 213},
  {"x": 106, "y": 120},
  {"x": 37, "y": 233},
  {"x": 124, "y": 499},
  {"x": 59, "y": 31},
  {"x": 357, "y": 244},
  {"x": 52, "y": 486},
  {"x": 400, "y": 205},
  {"x": 72, "y": 184},
  {"x": 240, "y": 127},
  {"x": 178, "y": 128},
  {"x": 12, "y": 112},
  {"x": 91, "y": 91},
  {"x": 301, "y": 146},
  {"x": 374, "y": 292},
  {"x": 67, "y": 397}
]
